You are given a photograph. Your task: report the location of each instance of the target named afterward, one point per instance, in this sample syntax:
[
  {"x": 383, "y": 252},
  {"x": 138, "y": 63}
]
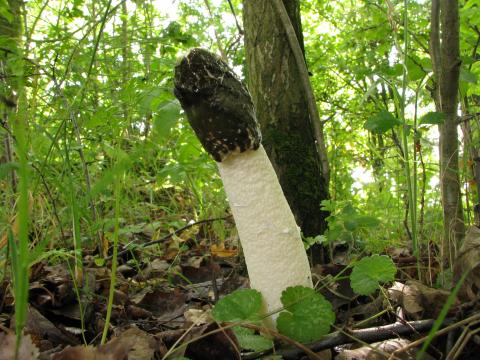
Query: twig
[
  {"x": 368, "y": 335},
  {"x": 176, "y": 232}
]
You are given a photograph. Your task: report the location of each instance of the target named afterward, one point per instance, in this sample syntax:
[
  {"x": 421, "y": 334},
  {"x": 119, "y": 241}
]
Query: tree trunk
[
  {"x": 282, "y": 111},
  {"x": 445, "y": 54}
]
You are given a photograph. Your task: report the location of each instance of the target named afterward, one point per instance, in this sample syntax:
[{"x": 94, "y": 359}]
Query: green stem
[{"x": 113, "y": 276}]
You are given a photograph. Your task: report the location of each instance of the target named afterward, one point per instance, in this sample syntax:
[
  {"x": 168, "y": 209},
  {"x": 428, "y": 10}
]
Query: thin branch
[
  {"x": 369, "y": 335},
  {"x": 307, "y": 86}
]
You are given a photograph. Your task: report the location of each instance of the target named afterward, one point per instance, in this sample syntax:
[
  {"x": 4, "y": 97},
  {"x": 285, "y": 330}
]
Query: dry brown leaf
[
  {"x": 115, "y": 349},
  {"x": 26, "y": 351},
  {"x": 222, "y": 252},
  {"x": 468, "y": 260},
  {"x": 197, "y": 316},
  {"x": 418, "y": 300},
  {"x": 144, "y": 345},
  {"x": 378, "y": 351}
]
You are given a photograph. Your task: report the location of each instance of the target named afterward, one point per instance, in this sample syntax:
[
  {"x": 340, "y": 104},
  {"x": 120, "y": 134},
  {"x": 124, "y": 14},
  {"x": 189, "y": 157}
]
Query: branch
[
  {"x": 304, "y": 77},
  {"x": 369, "y": 335},
  {"x": 435, "y": 46}
]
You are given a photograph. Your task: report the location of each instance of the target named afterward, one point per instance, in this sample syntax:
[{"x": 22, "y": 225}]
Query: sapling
[{"x": 221, "y": 112}]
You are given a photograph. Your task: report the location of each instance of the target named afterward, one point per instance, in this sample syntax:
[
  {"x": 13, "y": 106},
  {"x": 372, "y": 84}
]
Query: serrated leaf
[
  {"x": 249, "y": 341},
  {"x": 307, "y": 316},
  {"x": 381, "y": 122},
  {"x": 369, "y": 272},
  {"x": 245, "y": 304},
  {"x": 432, "y": 118}
]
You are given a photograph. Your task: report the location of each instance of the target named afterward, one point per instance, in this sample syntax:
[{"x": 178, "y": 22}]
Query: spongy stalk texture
[{"x": 271, "y": 241}]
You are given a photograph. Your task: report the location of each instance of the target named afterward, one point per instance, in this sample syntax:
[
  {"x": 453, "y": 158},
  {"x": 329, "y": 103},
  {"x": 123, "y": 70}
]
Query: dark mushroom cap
[{"x": 217, "y": 104}]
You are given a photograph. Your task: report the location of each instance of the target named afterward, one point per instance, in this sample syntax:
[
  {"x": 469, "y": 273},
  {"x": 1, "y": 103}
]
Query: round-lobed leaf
[
  {"x": 240, "y": 305},
  {"x": 249, "y": 341},
  {"x": 308, "y": 314},
  {"x": 369, "y": 272}
]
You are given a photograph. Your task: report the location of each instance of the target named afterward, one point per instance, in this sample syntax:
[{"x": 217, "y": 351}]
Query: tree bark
[
  {"x": 282, "y": 111},
  {"x": 445, "y": 54}
]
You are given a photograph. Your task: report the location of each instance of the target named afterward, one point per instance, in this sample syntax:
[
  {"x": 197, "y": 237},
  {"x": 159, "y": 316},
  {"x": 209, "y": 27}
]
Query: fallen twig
[{"x": 369, "y": 335}]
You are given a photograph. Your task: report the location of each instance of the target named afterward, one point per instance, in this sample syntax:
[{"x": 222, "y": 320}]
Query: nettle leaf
[
  {"x": 240, "y": 305},
  {"x": 369, "y": 272},
  {"x": 307, "y": 316},
  {"x": 249, "y": 341},
  {"x": 432, "y": 118},
  {"x": 381, "y": 122}
]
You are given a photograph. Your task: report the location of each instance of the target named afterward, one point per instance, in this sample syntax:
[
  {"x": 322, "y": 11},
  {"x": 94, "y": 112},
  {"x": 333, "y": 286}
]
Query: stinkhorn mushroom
[{"x": 221, "y": 112}]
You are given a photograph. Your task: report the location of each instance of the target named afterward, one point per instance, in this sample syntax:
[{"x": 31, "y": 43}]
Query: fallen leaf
[
  {"x": 26, "y": 351},
  {"x": 222, "y": 252},
  {"x": 378, "y": 351},
  {"x": 468, "y": 260}
]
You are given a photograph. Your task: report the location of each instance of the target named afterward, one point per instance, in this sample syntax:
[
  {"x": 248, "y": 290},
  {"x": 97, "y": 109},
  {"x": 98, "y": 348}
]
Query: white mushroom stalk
[{"x": 221, "y": 113}]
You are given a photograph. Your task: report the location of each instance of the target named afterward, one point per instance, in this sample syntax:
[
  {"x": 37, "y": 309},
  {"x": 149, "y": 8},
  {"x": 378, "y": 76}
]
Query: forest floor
[{"x": 161, "y": 308}]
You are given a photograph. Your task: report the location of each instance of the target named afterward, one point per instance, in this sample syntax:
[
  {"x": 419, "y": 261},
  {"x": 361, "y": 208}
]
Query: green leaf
[
  {"x": 467, "y": 76},
  {"x": 7, "y": 168},
  {"x": 369, "y": 272},
  {"x": 168, "y": 115},
  {"x": 249, "y": 341},
  {"x": 350, "y": 224},
  {"x": 5, "y": 11},
  {"x": 381, "y": 122},
  {"x": 245, "y": 304},
  {"x": 367, "y": 221},
  {"x": 307, "y": 316},
  {"x": 415, "y": 72},
  {"x": 432, "y": 118}
]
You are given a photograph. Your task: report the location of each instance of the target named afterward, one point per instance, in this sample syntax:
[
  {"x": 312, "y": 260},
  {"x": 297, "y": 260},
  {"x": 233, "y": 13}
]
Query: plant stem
[{"x": 113, "y": 274}]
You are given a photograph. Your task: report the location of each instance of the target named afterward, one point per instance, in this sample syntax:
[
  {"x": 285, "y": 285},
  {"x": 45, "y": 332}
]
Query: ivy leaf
[
  {"x": 249, "y": 341},
  {"x": 308, "y": 314},
  {"x": 245, "y": 304},
  {"x": 381, "y": 122},
  {"x": 369, "y": 272},
  {"x": 432, "y": 118}
]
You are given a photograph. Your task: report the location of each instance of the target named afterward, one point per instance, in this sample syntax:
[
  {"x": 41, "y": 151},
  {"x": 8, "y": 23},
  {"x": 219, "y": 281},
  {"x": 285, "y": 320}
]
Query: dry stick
[
  {"x": 438, "y": 333},
  {"x": 240, "y": 30},
  {"x": 176, "y": 232},
  {"x": 368, "y": 335},
  {"x": 461, "y": 346},
  {"x": 303, "y": 73}
]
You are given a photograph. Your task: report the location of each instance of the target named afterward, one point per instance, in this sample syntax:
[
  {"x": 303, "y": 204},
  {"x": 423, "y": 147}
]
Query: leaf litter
[{"x": 162, "y": 306}]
